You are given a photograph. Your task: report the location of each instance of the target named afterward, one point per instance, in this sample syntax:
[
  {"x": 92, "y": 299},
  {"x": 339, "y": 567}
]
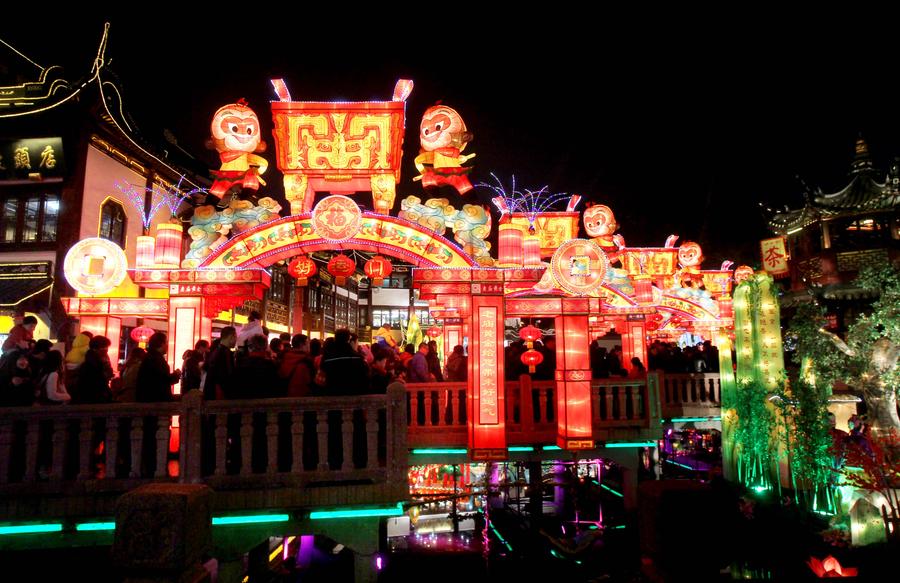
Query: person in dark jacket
[
  {"x": 220, "y": 367},
  {"x": 155, "y": 380},
  {"x": 192, "y": 372},
  {"x": 434, "y": 363},
  {"x": 94, "y": 375},
  {"x": 17, "y": 384},
  {"x": 346, "y": 373},
  {"x": 256, "y": 375},
  {"x": 457, "y": 365}
]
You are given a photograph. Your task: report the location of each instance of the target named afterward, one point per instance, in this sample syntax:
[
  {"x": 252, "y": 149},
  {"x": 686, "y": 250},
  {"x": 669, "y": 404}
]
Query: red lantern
[
  {"x": 341, "y": 267},
  {"x": 643, "y": 289},
  {"x": 302, "y": 268},
  {"x": 531, "y": 358},
  {"x": 530, "y": 335},
  {"x": 511, "y": 245},
  {"x": 378, "y": 268},
  {"x": 142, "y": 335},
  {"x": 726, "y": 308},
  {"x": 145, "y": 249},
  {"x": 532, "y": 251},
  {"x": 434, "y": 332}
]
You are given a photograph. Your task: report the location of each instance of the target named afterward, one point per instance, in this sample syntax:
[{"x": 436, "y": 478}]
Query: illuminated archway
[{"x": 289, "y": 236}]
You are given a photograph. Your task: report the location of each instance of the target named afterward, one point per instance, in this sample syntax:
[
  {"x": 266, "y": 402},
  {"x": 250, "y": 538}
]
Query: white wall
[
  {"x": 101, "y": 175},
  {"x": 390, "y": 297}
]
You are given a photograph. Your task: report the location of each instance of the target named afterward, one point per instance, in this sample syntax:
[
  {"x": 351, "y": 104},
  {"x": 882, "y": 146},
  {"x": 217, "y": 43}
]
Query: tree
[
  {"x": 866, "y": 358},
  {"x": 873, "y": 464}
]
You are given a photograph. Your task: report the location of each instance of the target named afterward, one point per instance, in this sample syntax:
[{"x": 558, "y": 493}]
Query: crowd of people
[{"x": 240, "y": 364}]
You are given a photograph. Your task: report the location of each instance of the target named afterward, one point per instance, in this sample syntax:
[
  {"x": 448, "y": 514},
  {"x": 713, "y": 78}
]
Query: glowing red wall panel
[
  {"x": 105, "y": 326},
  {"x": 573, "y": 383},
  {"x": 487, "y": 402},
  {"x": 634, "y": 343}
]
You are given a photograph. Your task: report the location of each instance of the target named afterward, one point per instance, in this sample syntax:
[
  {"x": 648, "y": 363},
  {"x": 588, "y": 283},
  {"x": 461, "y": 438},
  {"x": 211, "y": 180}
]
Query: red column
[
  {"x": 486, "y": 398},
  {"x": 573, "y": 378},
  {"x": 297, "y": 311}
]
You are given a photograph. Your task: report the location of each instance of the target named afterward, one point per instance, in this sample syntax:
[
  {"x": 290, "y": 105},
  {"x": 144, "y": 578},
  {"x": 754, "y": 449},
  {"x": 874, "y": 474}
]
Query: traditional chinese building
[{"x": 834, "y": 235}]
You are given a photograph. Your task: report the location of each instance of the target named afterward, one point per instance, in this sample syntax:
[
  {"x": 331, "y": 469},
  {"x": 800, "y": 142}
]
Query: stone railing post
[{"x": 191, "y": 436}]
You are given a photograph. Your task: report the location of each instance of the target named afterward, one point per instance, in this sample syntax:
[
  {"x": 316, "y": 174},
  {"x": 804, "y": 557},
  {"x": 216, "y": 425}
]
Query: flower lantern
[
  {"x": 341, "y": 267},
  {"x": 302, "y": 268},
  {"x": 530, "y": 335},
  {"x": 168, "y": 245},
  {"x": 531, "y": 358},
  {"x": 830, "y": 567},
  {"x": 434, "y": 332},
  {"x": 378, "y": 268},
  {"x": 142, "y": 335}
]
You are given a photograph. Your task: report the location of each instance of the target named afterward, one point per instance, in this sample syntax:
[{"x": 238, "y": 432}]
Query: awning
[{"x": 20, "y": 282}]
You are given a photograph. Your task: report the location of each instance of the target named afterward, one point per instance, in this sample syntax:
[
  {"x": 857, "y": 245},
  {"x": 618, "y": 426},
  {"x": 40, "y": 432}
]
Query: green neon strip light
[
  {"x": 31, "y": 528},
  {"x": 853, "y": 468},
  {"x": 88, "y": 526},
  {"x": 616, "y": 492},
  {"x": 555, "y": 554},
  {"x": 679, "y": 465},
  {"x": 249, "y": 519},
  {"x": 689, "y": 419},
  {"x": 520, "y": 448},
  {"x": 357, "y": 513},
  {"x": 431, "y": 451},
  {"x": 630, "y": 444},
  {"x": 500, "y": 538},
  {"x": 551, "y": 448},
  {"x": 617, "y": 527}
]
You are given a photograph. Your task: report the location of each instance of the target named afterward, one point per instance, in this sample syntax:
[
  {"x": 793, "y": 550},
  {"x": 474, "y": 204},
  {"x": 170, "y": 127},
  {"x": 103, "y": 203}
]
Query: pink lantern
[
  {"x": 168, "y": 245},
  {"x": 532, "y": 251},
  {"x": 511, "y": 243},
  {"x": 145, "y": 250}
]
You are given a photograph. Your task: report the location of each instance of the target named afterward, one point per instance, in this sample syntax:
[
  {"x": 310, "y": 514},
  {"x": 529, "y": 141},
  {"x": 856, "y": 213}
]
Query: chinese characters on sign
[
  {"x": 774, "y": 256},
  {"x": 31, "y": 159},
  {"x": 487, "y": 318}
]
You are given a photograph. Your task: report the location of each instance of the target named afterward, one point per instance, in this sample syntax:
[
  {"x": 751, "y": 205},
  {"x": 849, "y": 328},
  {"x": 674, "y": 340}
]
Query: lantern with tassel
[
  {"x": 302, "y": 268},
  {"x": 341, "y": 267},
  {"x": 434, "y": 332},
  {"x": 378, "y": 268},
  {"x": 142, "y": 335},
  {"x": 168, "y": 245},
  {"x": 531, "y": 358},
  {"x": 530, "y": 334}
]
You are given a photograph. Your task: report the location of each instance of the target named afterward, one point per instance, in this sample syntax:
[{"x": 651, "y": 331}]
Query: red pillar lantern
[
  {"x": 532, "y": 249},
  {"x": 378, "y": 268},
  {"x": 643, "y": 289},
  {"x": 726, "y": 308},
  {"x": 530, "y": 334},
  {"x": 573, "y": 381},
  {"x": 511, "y": 244},
  {"x": 531, "y": 358},
  {"x": 486, "y": 398},
  {"x": 341, "y": 267},
  {"x": 168, "y": 245},
  {"x": 302, "y": 268}
]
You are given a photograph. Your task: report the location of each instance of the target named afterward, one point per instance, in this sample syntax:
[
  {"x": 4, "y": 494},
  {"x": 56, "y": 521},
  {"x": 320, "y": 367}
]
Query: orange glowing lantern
[
  {"x": 531, "y": 358},
  {"x": 532, "y": 249},
  {"x": 341, "y": 267},
  {"x": 726, "y": 307},
  {"x": 643, "y": 289},
  {"x": 434, "y": 332},
  {"x": 302, "y": 268},
  {"x": 511, "y": 245},
  {"x": 142, "y": 335},
  {"x": 378, "y": 268},
  {"x": 168, "y": 245},
  {"x": 530, "y": 334},
  {"x": 145, "y": 249}
]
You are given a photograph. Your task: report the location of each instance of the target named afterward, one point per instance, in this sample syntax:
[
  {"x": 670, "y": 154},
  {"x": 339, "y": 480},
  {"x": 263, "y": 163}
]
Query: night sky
[{"x": 678, "y": 129}]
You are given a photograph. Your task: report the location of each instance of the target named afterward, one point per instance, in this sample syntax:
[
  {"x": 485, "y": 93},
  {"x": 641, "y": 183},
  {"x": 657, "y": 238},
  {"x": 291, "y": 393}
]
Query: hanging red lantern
[
  {"x": 142, "y": 335},
  {"x": 434, "y": 332},
  {"x": 341, "y": 267},
  {"x": 530, "y": 335},
  {"x": 378, "y": 268},
  {"x": 531, "y": 358},
  {"x": 302, "y": 268}
]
